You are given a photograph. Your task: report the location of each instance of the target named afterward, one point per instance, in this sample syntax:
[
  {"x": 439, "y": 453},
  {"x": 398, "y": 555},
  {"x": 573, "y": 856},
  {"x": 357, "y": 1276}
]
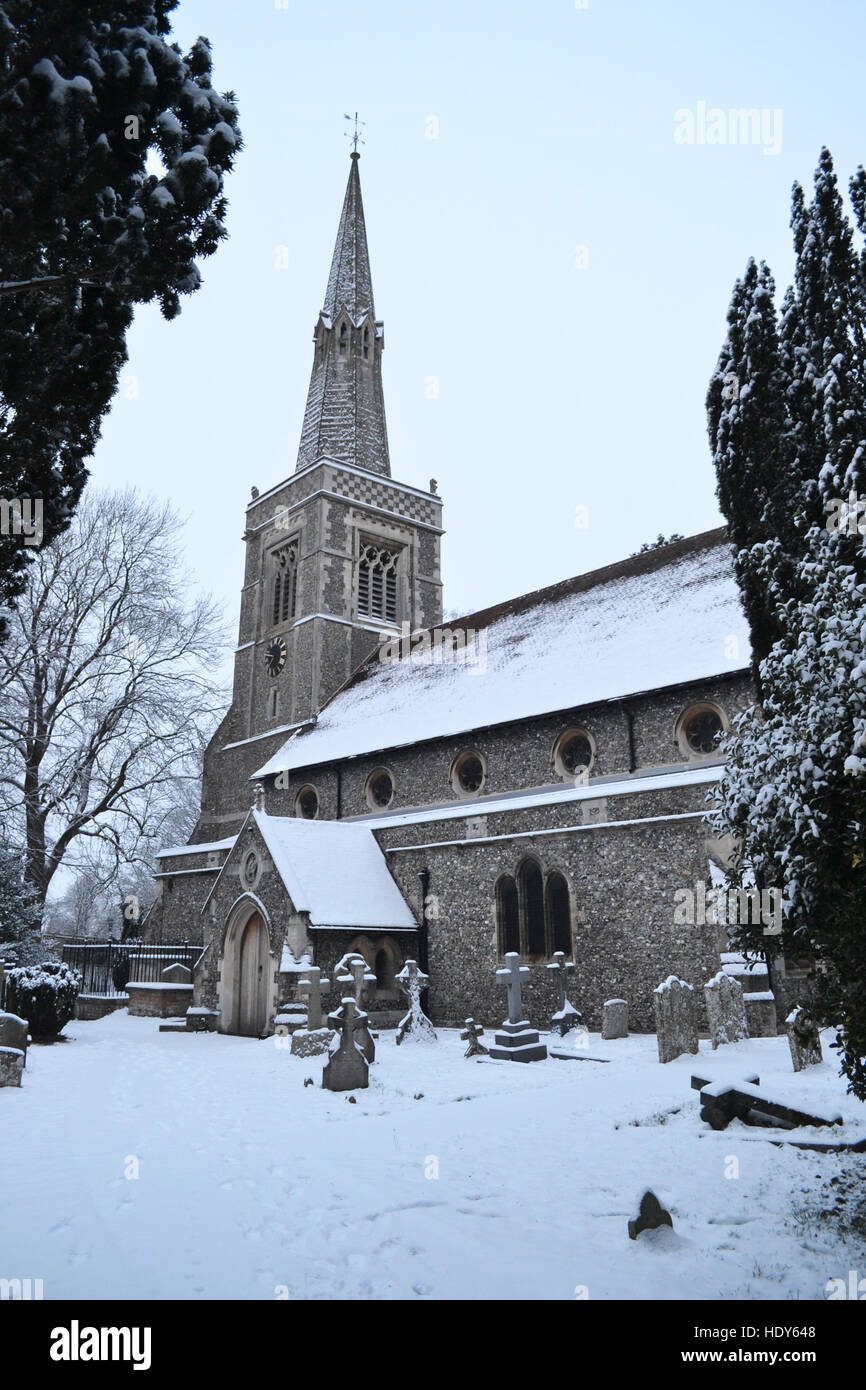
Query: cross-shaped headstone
[
  {"x": 412, "y": 981},
  {"x": 471, "y": 1033},
  {"x": 350, "y": 1012},
  {"x": 510, "y": 975},
  {"x": 561, "y": 966},
  {"x": 352, "y": 969},
  {"x": 311, "y": 988}
]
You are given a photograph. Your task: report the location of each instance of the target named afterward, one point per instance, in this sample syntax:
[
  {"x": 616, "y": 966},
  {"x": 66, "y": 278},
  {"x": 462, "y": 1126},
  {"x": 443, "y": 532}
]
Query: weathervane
[{"x": 355, "y": 137}]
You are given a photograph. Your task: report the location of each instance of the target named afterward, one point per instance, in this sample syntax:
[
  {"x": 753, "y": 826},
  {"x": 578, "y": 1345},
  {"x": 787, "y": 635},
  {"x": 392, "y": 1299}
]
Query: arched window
[
  {"x": 285, "y": 583},
  {"x": 343, "y": 338},
  {"x": 532, "y": 894},
  {"x": 377, "y": 583},
  {"x": 366, "y": 342},
  {"x": 507, "y": 915},
  {"x": 559, "y": 913}
]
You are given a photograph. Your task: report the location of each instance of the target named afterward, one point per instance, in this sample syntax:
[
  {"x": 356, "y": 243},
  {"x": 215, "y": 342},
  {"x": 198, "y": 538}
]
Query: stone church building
[{"x": 531, "y": 777}]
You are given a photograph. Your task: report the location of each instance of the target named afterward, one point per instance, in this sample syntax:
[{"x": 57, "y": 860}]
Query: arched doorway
[{"x": 253, "y": 978}]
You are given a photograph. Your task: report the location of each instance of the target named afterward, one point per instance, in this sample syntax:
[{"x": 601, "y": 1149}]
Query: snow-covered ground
[{"x": 448, "y": 1178}]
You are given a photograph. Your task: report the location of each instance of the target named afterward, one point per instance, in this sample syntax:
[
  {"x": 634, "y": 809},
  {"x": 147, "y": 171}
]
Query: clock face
[{"x": 275, "y": 657}]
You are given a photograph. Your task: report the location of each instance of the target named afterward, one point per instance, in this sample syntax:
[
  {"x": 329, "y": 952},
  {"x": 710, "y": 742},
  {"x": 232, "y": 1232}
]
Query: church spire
[{"x": 345, "y": 414}]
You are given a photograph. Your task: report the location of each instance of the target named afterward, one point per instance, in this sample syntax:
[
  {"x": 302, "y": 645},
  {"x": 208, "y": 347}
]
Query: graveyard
[{"x": 217, "y": 1170}]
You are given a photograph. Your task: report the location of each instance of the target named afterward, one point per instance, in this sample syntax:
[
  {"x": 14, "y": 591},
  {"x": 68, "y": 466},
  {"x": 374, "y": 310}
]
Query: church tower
[{"x": 339, "y": 552}]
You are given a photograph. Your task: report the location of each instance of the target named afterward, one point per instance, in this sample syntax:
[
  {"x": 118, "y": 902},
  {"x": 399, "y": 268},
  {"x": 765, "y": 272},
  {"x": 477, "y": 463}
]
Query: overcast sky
[{"x": 567, "y": 378}]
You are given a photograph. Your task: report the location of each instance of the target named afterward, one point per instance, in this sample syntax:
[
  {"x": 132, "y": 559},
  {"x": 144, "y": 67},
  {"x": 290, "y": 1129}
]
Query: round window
[
  {"x": 702, "y": 731},
  {"x": 574, "y": 753},
  {"x": 468, "y": 775},
  {"x": 380, "y": 789},
  {"x": 307, "y": 803}
]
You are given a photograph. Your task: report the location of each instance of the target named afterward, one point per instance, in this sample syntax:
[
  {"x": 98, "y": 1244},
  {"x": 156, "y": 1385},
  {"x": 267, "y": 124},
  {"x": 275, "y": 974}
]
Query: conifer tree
[
  {"x": 114, "y": 148},
  {"x": 789, "y": 450}
]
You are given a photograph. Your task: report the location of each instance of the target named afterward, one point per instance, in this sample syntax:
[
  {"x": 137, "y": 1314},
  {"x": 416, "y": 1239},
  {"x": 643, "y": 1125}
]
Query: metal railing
[{"x": 106, "y": 967}]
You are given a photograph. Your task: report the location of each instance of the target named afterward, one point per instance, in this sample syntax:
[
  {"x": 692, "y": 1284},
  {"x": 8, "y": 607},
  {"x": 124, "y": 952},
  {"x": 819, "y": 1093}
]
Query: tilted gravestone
[
  {"x": 347, "y": 1068},
  {"x": 472, "y": 1032},
  {"x": 566, "y": 1016},
  {"x": 676, "y": 1025},
  {"x": 725, "y": 1010},
  {"x": 313, "y": 1038},
  {"x": 416, "y": 1025},
  {"x": 804, "y": 1039},
  {"x": 651, "y": 1215},
  {"x": 516, "y": 1040},
  {"x": 614, "y": 1019}
]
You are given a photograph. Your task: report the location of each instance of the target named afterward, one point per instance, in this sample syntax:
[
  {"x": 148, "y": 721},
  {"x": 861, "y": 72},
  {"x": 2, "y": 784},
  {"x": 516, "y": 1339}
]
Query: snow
[
  {"x": 335, "y": 872},
  {"x": 539, "y": 1168},
  {"x": 197, "y": 849},
  {"x": 673, "y": 624},
  {"x": 555, "y": 796}
]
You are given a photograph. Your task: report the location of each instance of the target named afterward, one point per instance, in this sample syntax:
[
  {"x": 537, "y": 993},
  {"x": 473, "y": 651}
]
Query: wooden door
[{"x": 253, "y": 992}]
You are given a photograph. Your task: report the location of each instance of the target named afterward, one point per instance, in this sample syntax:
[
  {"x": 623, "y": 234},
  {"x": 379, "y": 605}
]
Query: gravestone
[
  {"x": 13, "y": 1033},
  {"x": 676, "y": 1025},
  {"x": 313, "y": 1038},
  {"x": 725, "y": 1010},
  {"x": 650, "y": 1216},
  {"x": 177, "y": 974},
  {"x": 566, "y": 1016},
  {"x": 347, "y": 1068},
  {"x": 760, "y": 1008},
  {"x": 471, "y": 1034},
  {"x": 804, "y": 1039},
  {"x": 614, "y": 1019},
  {"x": 352, "y": 971},
  {"x": 516, "y": 1040},
  {"x": 416, "y": 1025}
]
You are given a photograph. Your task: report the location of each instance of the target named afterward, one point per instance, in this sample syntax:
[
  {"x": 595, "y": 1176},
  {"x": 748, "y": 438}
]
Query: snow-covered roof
[
  {"x": 197, "y": 849},
  {"x": 335, "y": 872},
  {"x": 665, "y": 618},
  {"x": 631, "y": 785}
]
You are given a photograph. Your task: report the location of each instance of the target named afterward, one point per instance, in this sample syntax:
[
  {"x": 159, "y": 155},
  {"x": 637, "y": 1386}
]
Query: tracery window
[
  {"x": 377, "y": 583},
  {"x": 699, "y": 729},
  {"x": 380, "y": 789},
  {"x": 574, "y": 753},
  {"x": 533, "y": 913},
  {"x": 468, "y": 773},
  {"x": 307, "y": 803},
  {"x": 285, "y": 591}
]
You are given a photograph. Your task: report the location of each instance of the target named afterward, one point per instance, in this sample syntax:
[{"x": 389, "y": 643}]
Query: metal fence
[{"x": 106, "y": 967}]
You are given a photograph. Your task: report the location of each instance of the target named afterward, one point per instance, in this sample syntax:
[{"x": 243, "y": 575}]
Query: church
[{"x": 530, "y": 778}]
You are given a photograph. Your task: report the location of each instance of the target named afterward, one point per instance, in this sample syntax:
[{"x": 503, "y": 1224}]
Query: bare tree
[{"x": 108, "y": 689}]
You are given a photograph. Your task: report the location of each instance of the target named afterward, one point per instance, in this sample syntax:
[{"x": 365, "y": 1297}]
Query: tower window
[
  {"x": 377, "y": 583},
  {"x": 366, "y": 342},
  {"x": 285, "y": 591},
  {"x": 343, "y": 338}
]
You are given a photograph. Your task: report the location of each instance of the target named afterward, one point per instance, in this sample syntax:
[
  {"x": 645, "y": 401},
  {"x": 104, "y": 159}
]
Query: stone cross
[
  {"x": 412, "y": 981},
  {"x": 561, "y": 966},
  {"x": 347, "y": 1068},
  {"x": 311, "y": 988},
  {"x": 353, "y": 968},
  {"x": 510, "y": 975},
  {"x": 471, "y": 1033}
]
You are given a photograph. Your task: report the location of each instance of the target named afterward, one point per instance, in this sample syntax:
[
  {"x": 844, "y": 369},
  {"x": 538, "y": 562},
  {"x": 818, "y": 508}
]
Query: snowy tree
[
  {"x": 787, "y": 420},
  {"x": 659, "y": 541},
  {"x": 114, "y": 148},
  {"x": 107, "y": 689},
  {"x": 19, "y": 909}
]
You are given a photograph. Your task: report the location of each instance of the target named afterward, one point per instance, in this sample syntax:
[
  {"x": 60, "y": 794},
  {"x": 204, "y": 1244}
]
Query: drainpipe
[{"x": 424, "y": 880}]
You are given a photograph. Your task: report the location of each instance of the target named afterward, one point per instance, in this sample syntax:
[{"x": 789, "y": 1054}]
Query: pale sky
[{"x": 566, "y": 378}]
